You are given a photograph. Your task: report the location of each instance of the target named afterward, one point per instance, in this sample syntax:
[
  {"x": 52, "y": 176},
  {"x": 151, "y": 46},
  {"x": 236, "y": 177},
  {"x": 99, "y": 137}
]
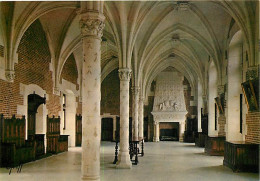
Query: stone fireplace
[
  {"x": 169, "y": 105},
  {"x": 169, "y": 131}
]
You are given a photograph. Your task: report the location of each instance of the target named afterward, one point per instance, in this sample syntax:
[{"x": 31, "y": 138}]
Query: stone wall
[
  {"x": 70, "y": 71},
  {"x": 253, "y": 127}
]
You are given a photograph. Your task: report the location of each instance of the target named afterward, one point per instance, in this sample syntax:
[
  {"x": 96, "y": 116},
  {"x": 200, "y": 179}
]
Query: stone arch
[
  {"x": 109, "y": 67},
  {"x": 70, "y": 70},
  {"x": 243, "y": 21},
  {"x": 157, "y": 69},
  {"x": 30, "y": 15},
  {"x": 26, "y": 90},
  {"x": 151, "y": 48}
]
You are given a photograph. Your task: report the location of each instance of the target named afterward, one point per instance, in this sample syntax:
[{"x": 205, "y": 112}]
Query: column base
[
  {"x": 140, "y": 138},
  {"x": 135, "y": 139},
  {"x": 181, "y": 138},
  {"x": 124, "y": 161},
  {"x": 156, "y": 139},
  {"x": 90, "y": 178}
]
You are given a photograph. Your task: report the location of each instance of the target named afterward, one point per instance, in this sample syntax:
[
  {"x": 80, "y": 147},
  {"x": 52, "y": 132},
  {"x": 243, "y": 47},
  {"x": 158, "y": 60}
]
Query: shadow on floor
[
  {"x": 190, "y": 146},
  {"x": 223, "y": 169}
]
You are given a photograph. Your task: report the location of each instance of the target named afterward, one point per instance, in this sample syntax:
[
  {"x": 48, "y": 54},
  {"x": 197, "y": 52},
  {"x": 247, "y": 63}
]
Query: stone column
[
  {"x": 156, "y": 132},
  {"x": 141, "y": 118},
  {"x": 124, "y": 157},
  {"x": 114, "y": 128},
  {"x": 181, "y": 131},
  {"x": 204, "y": 104},
  {"x": 91, "y": 24},
  {"x": 135, "y": 91}
]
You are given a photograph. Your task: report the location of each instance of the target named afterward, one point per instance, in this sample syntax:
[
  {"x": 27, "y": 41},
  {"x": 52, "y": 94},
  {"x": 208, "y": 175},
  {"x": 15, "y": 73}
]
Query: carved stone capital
[
  {"x": 135, "y": 90},
  {"x": 56, "y": 91},
  {"x": 156, "y": 123},
  {"x": 252, "y": 73},
  {"x": 182, "y": 6},
  {"x": 204, "y": 98},
  {"x": 221, "y": 89},
  {"x": 92, "y": 24},
  {"x": 141, "y": 98},
  {"x": 80, "y": 99},
  {"x": 124, "y": 74},
  {"x": 10, "y": 75}
]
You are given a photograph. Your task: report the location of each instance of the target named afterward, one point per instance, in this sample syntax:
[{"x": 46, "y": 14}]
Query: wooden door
[
  {"x": 78, "y": 130},
  {"x": 107, "y": 129},
  {"x": 31, "y": 124}
]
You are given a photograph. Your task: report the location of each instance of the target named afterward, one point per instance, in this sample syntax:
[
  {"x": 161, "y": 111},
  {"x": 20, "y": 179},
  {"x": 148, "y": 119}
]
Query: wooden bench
[
  {"x": 56, "y": 143},
  {"x": 241, "y": 156},
  {"x": 40, "y": 149},
  {"x": 191, "y": 130},
  {"x": 214, "y": 145},
  {"x": 200, "y": 138},
  {"x": 15, "y": 150}
]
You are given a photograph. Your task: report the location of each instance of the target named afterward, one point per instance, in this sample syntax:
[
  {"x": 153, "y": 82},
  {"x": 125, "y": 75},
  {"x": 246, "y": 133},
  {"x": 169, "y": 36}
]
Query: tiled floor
[{"x": 163, "y": 161}]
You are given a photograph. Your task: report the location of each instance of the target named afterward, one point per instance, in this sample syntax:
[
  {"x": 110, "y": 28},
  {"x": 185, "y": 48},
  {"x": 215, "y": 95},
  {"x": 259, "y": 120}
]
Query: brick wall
[
  {"x": 253, "y": 127},
  {"x": 221, "y": 123},
  {"x": 172, "y": 125},
  {"x": 110, "y": 95},
  {"x": 9, "y": 98},
  {"x": 32, "y": 68},
  {"x": 70, "y": 71}
]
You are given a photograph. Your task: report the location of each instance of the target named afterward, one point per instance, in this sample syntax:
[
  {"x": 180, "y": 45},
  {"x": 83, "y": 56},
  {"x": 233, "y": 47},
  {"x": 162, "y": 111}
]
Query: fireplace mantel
[{"x": 169, "y": 116}]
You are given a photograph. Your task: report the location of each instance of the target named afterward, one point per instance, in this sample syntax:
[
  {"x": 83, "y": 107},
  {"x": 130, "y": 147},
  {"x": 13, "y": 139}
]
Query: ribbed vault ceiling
[{"x": 146, "y": 36}]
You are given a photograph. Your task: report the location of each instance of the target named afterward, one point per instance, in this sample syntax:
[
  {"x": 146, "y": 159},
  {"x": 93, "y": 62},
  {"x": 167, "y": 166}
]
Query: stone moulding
[{"x": 173, "y": 116}]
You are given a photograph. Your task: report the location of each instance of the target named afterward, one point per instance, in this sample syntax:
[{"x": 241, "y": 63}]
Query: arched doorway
[{"x": 36, "y": 123}]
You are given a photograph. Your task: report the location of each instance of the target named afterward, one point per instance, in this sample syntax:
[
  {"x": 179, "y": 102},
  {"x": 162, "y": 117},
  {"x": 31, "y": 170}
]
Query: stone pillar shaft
[
  {"x": 141, "y": 118},
  {"x": 156, "y": 132},
  {"x": 181, "y": 131},
  {"x": 91, "y": 25},
  {"x": 124, "y": 157},
  {"x": 114, "y": 128},
  {"x": 135, "y": 91}
]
